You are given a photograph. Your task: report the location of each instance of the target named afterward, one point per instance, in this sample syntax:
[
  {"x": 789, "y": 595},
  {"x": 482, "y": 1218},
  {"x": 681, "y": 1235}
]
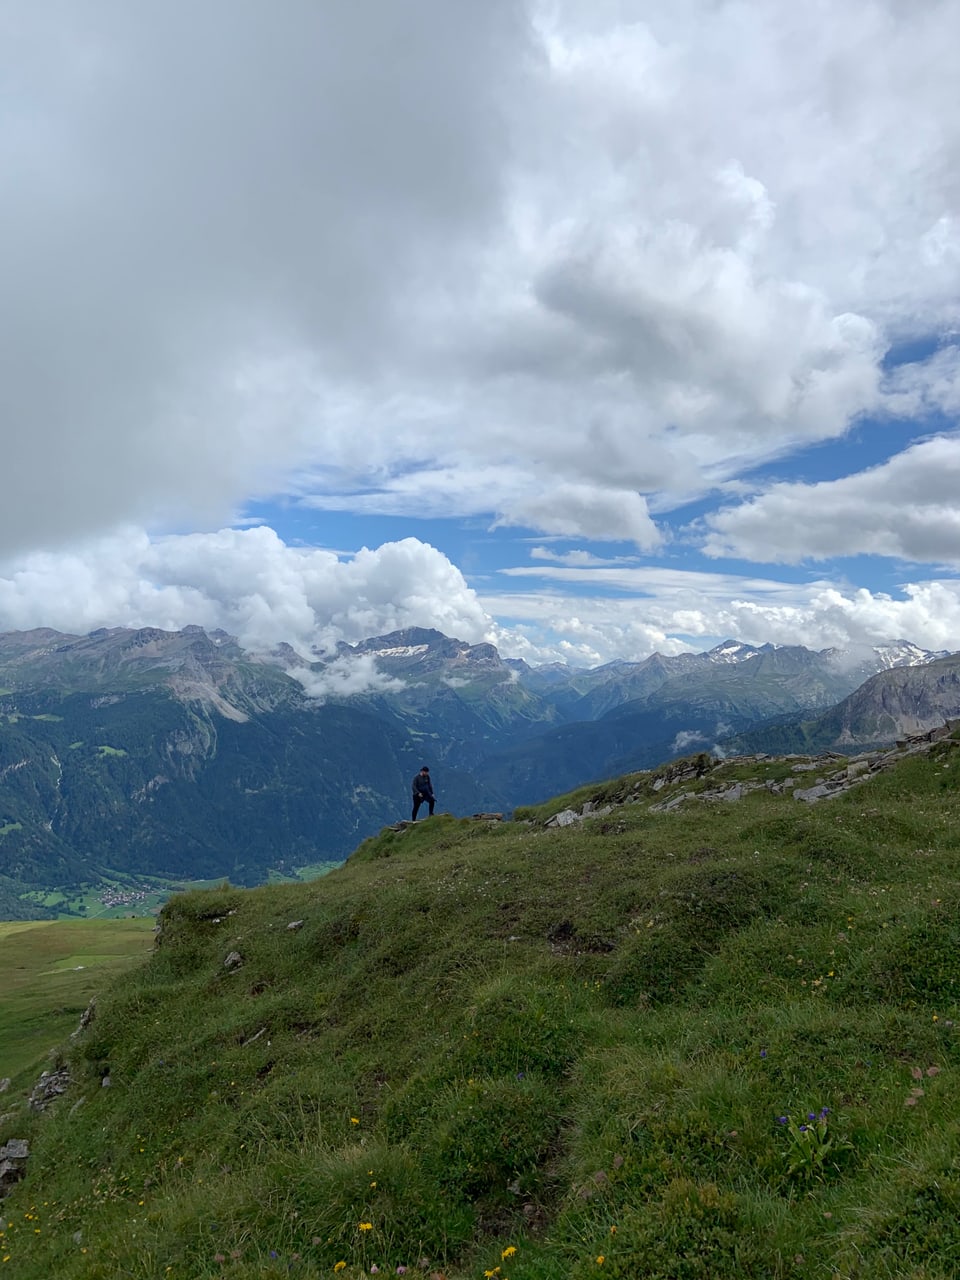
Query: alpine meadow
[{"x": 682, "y": 1024}]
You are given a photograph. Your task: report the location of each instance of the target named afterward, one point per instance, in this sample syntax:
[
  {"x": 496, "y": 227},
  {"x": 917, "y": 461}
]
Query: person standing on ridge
[{"x": 423, "y": 792}]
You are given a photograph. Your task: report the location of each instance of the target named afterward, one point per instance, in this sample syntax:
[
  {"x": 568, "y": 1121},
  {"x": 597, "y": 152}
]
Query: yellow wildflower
[
  {"x": 338, "y": 1266},
  {"x": 364, "y": 1226},
  {"x": 509, "y": 1251}
]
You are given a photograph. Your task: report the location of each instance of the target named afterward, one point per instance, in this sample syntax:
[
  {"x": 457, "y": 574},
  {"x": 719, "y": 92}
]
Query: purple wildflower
[{"x": 781, "y": 1119}]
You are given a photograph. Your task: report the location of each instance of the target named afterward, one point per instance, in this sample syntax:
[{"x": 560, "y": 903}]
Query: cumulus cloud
[
  {"x": 249, "y": 582},
  {"x": 672, "y": 611},
  {"x": 612, "y": 249},
  {"x": 906, "y": 508}
]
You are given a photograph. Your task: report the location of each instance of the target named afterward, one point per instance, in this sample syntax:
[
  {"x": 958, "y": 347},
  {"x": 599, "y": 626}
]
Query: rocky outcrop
[
  {"x": 13, "y": 1164},
  {"x": 863, "y": 767},
  {"x": 50, "y": 1086},
  {"x": 831, "y": 775},
  {"x": 568, "y": 817},
  {"x": 404, "y": 823},
  {"x": 88, "y": 1015}
]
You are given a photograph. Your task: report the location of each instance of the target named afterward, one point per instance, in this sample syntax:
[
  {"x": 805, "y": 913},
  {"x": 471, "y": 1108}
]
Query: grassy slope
[
  {"x": 576, "y": 1044},
  {"x": 50, "y": 970}
]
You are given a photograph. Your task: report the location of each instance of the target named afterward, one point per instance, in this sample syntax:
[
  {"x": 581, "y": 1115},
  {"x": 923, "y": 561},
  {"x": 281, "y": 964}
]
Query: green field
[
  {"x": 719, "y": 1042},
  {"x": 48, "y": 972},
  {"x": 118, "y": 896}
]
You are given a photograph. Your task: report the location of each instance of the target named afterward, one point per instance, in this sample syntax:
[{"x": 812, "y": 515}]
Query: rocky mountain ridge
[{"x": 889, "y": 705}]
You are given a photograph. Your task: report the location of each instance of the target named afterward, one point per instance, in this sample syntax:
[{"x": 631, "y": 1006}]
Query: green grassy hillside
[
  {"x": 715, "y": 1042},
  {"x": 48, "y": 972}
]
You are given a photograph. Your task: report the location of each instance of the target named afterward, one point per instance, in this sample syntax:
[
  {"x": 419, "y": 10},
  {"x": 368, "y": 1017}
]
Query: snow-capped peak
[
  {"x": 732, "y": 651},
  {"x": 901, "y": 653}
]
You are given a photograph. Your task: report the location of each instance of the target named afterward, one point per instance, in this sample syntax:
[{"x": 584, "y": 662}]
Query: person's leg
[
  {"x": 417, "y": 802},
  {"x": 432, "y": 802}
]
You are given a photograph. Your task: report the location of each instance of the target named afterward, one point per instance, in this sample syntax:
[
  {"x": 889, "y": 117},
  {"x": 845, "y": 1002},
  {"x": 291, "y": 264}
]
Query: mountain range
[{"x": 178, "y": 754}]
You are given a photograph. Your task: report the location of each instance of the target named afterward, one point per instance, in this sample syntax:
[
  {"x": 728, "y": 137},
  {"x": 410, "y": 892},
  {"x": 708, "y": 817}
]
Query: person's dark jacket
[{"x": 422, "y": 786}]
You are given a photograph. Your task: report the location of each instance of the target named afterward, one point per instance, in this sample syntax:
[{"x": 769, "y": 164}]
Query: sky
[{"x": 591, "y": 328}]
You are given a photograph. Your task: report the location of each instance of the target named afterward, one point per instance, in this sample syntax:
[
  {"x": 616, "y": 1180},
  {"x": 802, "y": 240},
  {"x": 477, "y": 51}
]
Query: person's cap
[{"x": 424, "y": 769}]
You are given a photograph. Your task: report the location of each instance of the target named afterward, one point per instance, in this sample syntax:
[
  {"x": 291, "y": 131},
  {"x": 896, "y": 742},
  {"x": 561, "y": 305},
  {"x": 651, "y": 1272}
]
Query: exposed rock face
[
  {"x": 50, "y": 1086},
  {"x": 900, "y": 703},
  {"x": 570, "y": 816},
  {"x": 13, "y": 1164},
  {"x": 566, "y": 818}
]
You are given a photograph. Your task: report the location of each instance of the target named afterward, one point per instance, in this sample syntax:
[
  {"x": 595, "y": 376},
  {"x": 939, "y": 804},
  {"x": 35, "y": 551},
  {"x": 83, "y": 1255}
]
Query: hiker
[{"x": 423, "y": 792}]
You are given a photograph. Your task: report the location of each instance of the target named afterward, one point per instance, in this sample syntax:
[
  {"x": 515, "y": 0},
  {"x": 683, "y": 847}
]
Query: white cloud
[
  {"x": 608, "y": 248},
  {"x": 906, "y": 508},
  {"x": 586, "y": 511},
  {"x": 930, "y": 386},
  {"x": 344, "y": 677},
  {"x": 577, "y": 558},
  {"x": 686, "y": 739},
  {"x": 246, "y": 581},
  {"x": 651, "y": 580},
  {"x": 211, "y": 217},
  {"x": 551, "y": 264},
  {"x": 674, "y": 292},
  {"x": 673, "y": 612},
  {"x": 254, "y": 586}
]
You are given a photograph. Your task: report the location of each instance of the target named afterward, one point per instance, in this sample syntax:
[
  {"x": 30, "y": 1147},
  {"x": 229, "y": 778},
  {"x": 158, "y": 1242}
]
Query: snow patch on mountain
[
  {"x": 732, "y": 651},
  {"x": 402, "y": 651},
  {"x": 882, "y": 657},
  {"x": 901, "y": 653}
]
